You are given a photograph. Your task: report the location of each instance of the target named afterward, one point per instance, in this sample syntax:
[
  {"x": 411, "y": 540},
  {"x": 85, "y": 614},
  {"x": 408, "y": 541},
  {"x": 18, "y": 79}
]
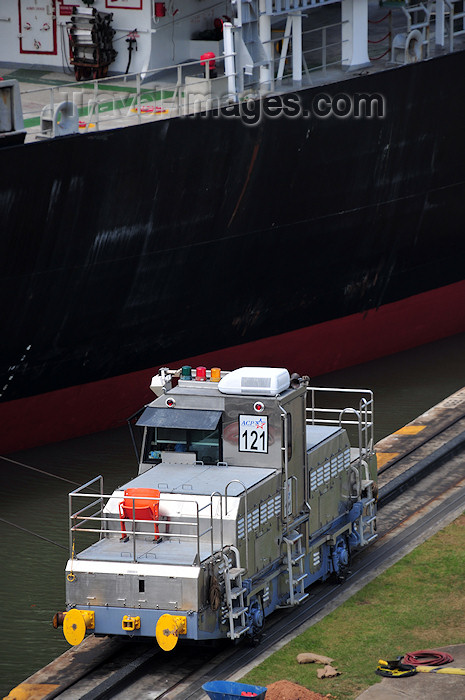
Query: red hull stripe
[{"x": 80, "y": 410}]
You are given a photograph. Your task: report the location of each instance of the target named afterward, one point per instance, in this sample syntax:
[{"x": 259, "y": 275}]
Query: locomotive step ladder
[
  {"x": 295, "y": 558},
  {"x": 367, "y": 521},
  {"x": 236, "y": 609}
]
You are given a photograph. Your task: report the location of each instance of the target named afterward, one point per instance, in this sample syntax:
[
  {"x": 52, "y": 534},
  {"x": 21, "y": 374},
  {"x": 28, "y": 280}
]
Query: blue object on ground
[{"x": 227, "y": 690}]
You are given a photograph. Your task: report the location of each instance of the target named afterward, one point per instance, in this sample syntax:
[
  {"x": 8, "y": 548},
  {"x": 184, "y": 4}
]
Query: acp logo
[{"x": 257, "y": 423}]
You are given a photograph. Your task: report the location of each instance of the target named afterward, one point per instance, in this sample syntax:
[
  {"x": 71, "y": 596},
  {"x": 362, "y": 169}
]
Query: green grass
[{"x": 416, "y": 604}]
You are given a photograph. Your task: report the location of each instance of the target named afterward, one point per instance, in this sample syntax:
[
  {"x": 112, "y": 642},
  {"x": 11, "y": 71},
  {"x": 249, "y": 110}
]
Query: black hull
[{"x": 125, "y": 249}]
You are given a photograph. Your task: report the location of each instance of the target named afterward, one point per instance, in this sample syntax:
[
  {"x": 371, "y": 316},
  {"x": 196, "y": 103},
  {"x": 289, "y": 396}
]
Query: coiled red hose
[{"x": 427, "y": 657}]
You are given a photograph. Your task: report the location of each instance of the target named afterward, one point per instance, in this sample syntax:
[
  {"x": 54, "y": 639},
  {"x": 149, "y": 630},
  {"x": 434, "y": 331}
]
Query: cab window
[{"x": 205, "y": 443}]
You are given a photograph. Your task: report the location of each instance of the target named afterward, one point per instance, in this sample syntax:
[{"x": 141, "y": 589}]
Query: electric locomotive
[{"x": 247, "y": 492}]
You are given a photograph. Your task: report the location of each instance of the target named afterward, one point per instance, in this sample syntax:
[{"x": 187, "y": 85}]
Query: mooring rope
[
  {"x": 30, "y": 532},
  {"x": 41, "y": 471}
]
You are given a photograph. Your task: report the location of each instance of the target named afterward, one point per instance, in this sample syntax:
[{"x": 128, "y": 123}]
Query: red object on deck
[
  {"x": 160, "y": 9},
  {"x": 140, "y": 504},
  {"x": 210, "y": 57}
]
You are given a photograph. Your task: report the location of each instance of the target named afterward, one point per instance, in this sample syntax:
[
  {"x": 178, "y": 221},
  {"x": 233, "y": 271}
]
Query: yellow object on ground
[
  {"x": 383, "y": 458},
  {"x": 410, "y": 430},
  {"x": 450, "y": 670},
  {"x": 31, "y": 691}
]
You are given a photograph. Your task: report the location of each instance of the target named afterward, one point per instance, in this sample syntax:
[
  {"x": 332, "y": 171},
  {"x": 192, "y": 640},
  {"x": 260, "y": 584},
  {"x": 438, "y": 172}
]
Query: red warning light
[{"x": 201, "y": 374}]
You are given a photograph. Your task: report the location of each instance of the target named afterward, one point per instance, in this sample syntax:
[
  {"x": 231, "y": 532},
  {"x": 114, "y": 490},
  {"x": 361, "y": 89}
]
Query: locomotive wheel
[
  {"x": 256, "y": 619},
  {"x": 341, "y": 558}
]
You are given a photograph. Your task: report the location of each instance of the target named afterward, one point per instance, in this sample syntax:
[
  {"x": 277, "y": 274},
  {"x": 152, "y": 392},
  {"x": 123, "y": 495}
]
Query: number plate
[{"x": 253, "y": 434}]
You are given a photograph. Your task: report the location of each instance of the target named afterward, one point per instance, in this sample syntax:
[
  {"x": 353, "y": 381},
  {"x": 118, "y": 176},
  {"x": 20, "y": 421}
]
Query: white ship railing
[
  {"x": 130, "y": 99},
  {"x": 170, "y": 91}
]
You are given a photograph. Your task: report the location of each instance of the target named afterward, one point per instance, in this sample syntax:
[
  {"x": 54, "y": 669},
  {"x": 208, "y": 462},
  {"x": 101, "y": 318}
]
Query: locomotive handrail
[
  {"x": 246, "y": 515},
  {"x": 208, "y": 530},
  {"x": 321, "y": 415},
  {"x": 81, "y": 517},
  {"x": 140, "y": 520},
  {"x": 84, "y": 519},
  {"x": 217, "y": 493},
  {"x": 354, "y": 469},
  {"x": 294, "y": 494},
  {"x": 366, "y": 424},
  {"x": 78, "y": 492},
  {"x": 89, "y": 505},
  {"x": 284, "y": 449},
  {"x": 359, "y": 421}
]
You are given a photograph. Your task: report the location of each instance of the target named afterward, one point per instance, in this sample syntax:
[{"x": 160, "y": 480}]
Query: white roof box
[{"x": 256, "y": 381}]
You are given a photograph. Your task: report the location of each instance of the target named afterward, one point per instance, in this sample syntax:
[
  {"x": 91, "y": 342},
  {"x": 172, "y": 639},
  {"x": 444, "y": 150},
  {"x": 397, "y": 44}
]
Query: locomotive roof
[
  {"x": 317, "y": 434},
  {"x": 200, "y": 480}
]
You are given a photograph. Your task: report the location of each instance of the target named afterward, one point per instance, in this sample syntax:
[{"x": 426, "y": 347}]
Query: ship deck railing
[
  {"x": 181, "y": 90},
  {"x": 352, "y": 409},
  {"x": 188, "y": 88}
]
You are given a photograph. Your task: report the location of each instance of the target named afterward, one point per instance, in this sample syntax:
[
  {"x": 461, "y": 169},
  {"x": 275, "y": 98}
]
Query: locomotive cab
[{"x": 245, "y": 495}]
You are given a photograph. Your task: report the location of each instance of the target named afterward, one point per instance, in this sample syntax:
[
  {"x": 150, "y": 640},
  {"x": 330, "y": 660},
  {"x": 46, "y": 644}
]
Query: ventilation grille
[
  {"x": 257, "y": 517},
  {"x": 329, "y": 470}
]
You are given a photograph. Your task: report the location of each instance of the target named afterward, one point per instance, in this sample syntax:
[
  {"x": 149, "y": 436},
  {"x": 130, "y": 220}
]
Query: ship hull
[{"x": 332, "y": 241}]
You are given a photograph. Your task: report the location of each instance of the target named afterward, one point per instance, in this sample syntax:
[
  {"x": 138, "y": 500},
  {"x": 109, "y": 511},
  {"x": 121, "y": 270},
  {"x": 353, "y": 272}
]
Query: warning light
[
  {"x": 259, "y": 406},
  {"x": 201, "y": 374},
  {"x": 186, "y": 372},
  {"x": 215, "y": 374},
  {"x": 170, "y": 402}
]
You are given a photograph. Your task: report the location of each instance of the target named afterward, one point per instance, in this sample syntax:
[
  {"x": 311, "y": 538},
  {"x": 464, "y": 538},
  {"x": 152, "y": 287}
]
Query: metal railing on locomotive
[
  {"x": 362, "y": 425},
  {"x": 246, "y": 520},
  {"x": 360, "y": 428},
  {"x": 363, "y": 411},
  {"x": 86, "y": 516}
]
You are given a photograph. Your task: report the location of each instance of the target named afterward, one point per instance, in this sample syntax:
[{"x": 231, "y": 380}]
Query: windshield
[{"x": 205, "y": 443}]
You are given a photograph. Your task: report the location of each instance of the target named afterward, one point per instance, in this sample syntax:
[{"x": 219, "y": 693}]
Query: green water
[{"x": 32, "y": 581}]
